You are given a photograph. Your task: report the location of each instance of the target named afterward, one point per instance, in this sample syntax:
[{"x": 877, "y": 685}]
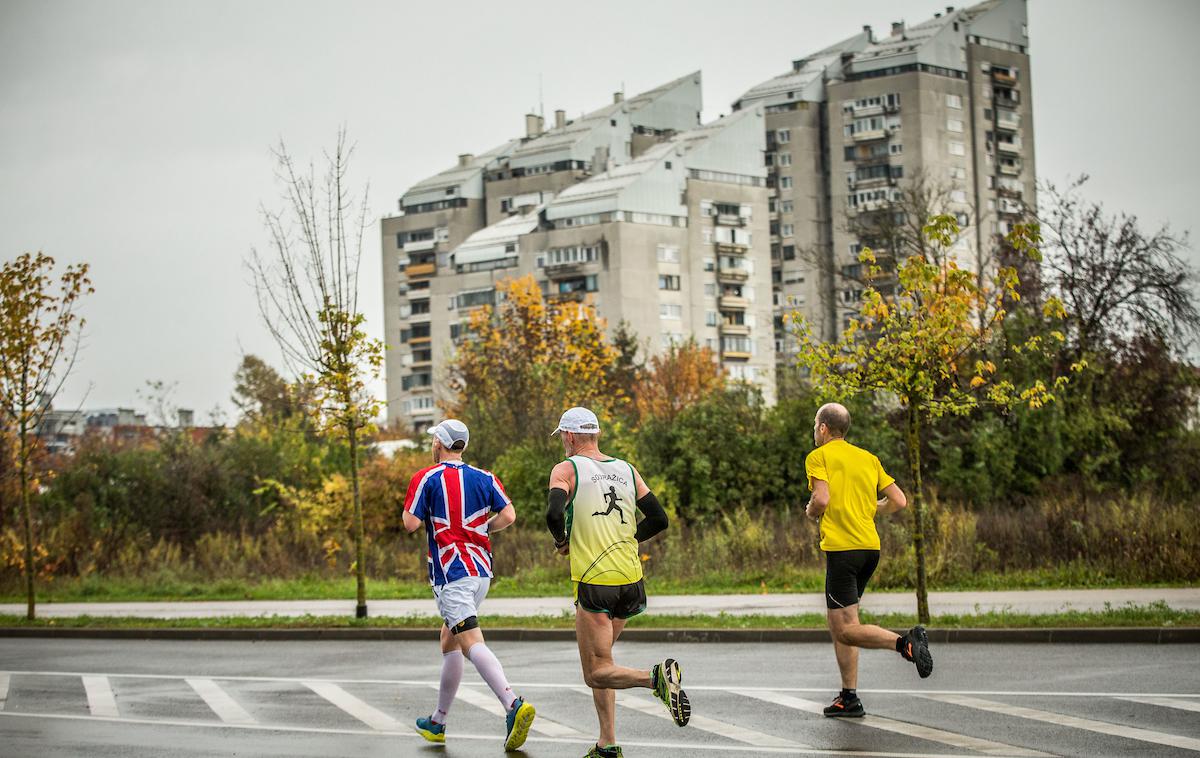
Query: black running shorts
[
  {"x": 620, "y": 601},
  {"x": 846, "y": 575}
]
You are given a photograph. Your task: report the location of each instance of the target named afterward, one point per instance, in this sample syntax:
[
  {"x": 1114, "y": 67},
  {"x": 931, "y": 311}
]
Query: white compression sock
[
  {"x": 452, "y": 671},
  {"x": 489, "y": 668}
]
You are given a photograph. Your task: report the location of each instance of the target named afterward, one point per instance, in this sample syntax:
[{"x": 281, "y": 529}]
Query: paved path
[
  {"x": 1018, "y": 601},
  {"x": 137, "y": 699}
]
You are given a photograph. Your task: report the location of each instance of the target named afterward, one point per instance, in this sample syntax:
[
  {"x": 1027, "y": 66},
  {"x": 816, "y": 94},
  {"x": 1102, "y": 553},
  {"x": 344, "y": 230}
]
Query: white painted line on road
[
  {"x": 703, "y": 723},
  {"x": 3, "y": 689},
  {"x": 1101, "y": 727},
  {"x": 486, "y": 701},
  {"x": 1166, "y": 702},
  {"x": 561, "y": 686},
  {"x": 953, "y": 739},
  {"x": 101, "y": 701},
  {"x": 690, "y": 747},
  {"x": 221, "y": 702},
  {"x": 368, "y": 714}
]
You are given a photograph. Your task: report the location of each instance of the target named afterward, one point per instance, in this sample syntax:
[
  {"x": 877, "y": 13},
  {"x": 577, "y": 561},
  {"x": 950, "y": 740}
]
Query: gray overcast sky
[{"x": 135, "y": 135}]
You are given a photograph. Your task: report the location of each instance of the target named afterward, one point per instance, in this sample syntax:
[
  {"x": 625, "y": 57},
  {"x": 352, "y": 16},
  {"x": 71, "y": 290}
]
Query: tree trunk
[
  {"x": 918, "y": 501},
  {"x": 360, "y": 569},
  {"x": 27, "y": 518}
]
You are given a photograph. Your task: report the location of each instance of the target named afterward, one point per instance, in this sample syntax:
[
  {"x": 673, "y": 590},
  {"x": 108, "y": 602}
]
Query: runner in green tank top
[{"x": 591, "y": 516}]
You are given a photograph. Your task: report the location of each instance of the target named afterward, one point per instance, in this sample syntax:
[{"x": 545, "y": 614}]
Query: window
[
  {"x": 710, "y": 318},
  {"x": 422, "y": 356},
  {"x": 789, "y": 252},
  {"x": 423, "y": 379},
  {"x": 668, "y": 282},
  {"x": 848, "y": 153},
  {"x": 895, "y": 148},
  {"x": 456, "y": 330},
  {"x": 668, "y": 254},
  {"x": 559, "y": 256},
  {"x": 733, "y": 344},
  {"x": 956, "y": 148},
  {"x": 958, "y": 172},
  {"x": 958, "y": 196},
  {"x": 710, "y": 289},
  {"x": 706, "y": 208},
  {"x": 710, "y": 264},
  {"x": 473, "y": 298},
  {"x": 783, "y": 136},
  {"x": 785, "y": 159},
  {"x": 789, "y": 230},
  {"x": 963, "y": 220},
  {"x": 786, "y": 206},
  {"x": 419, "y": 307},
  {"x": 706, "y": 236},
  {"x": 954, "y": 125},
  {"x": 954, "y": 101},
  {"x": 785, "y": 182},
  {"x": 670, "y": 311}
]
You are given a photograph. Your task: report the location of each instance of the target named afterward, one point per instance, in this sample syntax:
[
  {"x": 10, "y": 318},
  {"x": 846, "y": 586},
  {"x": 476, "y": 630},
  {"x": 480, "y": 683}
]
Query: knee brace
[{"x": 471, "y": 622}]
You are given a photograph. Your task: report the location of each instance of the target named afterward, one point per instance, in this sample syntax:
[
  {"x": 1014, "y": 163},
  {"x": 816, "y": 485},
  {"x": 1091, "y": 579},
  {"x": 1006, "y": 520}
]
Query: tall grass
[{"x": 1073, "y": 540}]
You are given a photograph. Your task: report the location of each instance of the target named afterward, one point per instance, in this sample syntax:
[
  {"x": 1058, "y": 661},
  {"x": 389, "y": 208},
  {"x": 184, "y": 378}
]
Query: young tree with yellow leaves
[
  {"x": 925, "y": 347},
  {"x": 681, "y": 376},
  {"x": 308, "y": 296},
  {"x": 39, "y": 339},
  {"x": 522, "y": 363}
]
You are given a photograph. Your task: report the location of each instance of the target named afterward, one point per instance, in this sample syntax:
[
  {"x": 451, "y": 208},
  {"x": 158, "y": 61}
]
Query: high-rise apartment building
[
  {"x": 935, "y": 114},
  {"x": 716, "y": 231},
  {"x": 636, "y": 208}
]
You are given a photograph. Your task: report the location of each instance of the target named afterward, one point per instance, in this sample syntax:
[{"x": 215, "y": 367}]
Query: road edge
[{"x": 1098, "y": 635}]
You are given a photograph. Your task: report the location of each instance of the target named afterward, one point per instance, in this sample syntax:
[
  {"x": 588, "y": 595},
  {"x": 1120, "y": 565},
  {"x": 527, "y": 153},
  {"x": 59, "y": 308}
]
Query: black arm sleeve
[
  {"x": 656, "y": 517},
  {"x": 556, "y": 515}
]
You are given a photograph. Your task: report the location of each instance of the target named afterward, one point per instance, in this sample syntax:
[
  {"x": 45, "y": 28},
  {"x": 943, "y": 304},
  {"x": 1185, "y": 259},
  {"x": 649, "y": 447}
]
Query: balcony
[
  {"x": 564, "y": 270},
  {"x": 733, "y": 275},
  {"x": 873, "y": 134},
  {"x": 1003, "y": 78},
  {"x": 422, "y": 363},
  {"x": 1008, "y": 121},
  {"x": 420, "y": 340},
  {"x": 1010, "y": 170},
  {"x": 420, "y": 246},
  {"x": 413, "y": 270},
  {"x": 733, "y": 302},
  {"x": 1013, "y": 147},
  {"x": 732, "y": 248},
  {"x": 579, "y": 296},
  {"x": 1011, "y": 206},
  {"x": 728, "y": 219},
  {"x": 740, "y": 330},
  {"x": 736, "y": 355},
  {"x": 870, "y": 110}
]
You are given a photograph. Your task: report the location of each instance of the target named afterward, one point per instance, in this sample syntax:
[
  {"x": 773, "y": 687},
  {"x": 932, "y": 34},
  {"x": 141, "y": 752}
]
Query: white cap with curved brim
[
  {"x": 450, "y": 431},
  {"x": 578, "y": 421}
]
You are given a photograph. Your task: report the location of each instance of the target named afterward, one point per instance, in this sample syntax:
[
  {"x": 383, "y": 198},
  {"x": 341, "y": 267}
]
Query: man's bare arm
[
  {"x": 819, "y": 501},
  {"x": 893, "y": 500}
]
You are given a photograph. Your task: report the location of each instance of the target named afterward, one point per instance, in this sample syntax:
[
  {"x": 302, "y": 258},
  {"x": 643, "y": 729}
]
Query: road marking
[
  {"x": 221, "y": 702},
  {"x": 703, "y": 723},
  {"x": 1166, "y": 702},
  {"x": 561, "y": 686},
  {"x": 953, "y": 739},
  {"x": 368, "y": 714},
  {"x": 1102, "y": 727},
  {"x": 683, "y": 746},
  {"x": 488, "y": 702},
  {"x": 3, "y": 689},
  {"x": 101, "y": 701}
]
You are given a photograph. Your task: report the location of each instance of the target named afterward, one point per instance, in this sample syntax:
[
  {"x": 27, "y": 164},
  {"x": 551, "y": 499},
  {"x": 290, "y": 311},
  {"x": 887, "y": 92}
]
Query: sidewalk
[{"x": 959, "y": 603}]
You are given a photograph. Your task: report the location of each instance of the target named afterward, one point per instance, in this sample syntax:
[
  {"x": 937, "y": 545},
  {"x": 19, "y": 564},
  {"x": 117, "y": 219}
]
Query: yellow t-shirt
[{"x": 855, "y": 478}]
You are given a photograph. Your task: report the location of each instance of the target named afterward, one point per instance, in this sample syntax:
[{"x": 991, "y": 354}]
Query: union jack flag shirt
[{"x": 454, "y": 500}]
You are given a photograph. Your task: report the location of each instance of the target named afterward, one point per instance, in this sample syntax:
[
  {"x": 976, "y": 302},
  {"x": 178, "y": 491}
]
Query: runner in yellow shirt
[{"x": 846, "y": 482}]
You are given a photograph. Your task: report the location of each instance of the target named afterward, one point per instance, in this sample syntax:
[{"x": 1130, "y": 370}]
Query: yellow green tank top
[{"x": 601, "y": 521}]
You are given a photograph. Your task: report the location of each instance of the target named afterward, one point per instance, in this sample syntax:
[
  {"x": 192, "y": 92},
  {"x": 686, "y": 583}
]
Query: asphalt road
[{"x": 100, "y": 698}]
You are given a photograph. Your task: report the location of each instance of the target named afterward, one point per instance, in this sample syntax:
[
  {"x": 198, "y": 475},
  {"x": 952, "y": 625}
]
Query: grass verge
[
  {"x": 1152, "y": 615},
  {"x": 529, "y": 583}
]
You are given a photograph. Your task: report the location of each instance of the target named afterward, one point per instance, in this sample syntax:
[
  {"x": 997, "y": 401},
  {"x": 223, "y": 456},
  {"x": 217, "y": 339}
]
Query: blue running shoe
[
  {"x": 431, "y": 730},
  {"x": 518, "y": 721}
]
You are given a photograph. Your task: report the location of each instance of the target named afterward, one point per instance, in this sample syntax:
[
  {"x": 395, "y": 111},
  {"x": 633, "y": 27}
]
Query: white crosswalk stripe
[
  {"x": 1166, "y": 702},
  {"x": 487, "y": 702},
  {"x": 3, "y": 689},
  {"x": 703, "y": 723},
  {"x": 953, "y": 739},
  {"x": 222, "y": 704},
  {"x": 1091, "y": 725},
  {"x": 368, "y": 714},
  {"x": 101, "y": 701}
]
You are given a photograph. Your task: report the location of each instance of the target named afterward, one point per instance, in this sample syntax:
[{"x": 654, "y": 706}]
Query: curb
[{"x": 1085, "y": 635}]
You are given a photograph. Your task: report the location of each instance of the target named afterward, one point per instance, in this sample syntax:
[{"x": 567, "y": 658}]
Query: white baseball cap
[
  {"x": 578, "y": 421},
  {"x": 450, "y": 431}
]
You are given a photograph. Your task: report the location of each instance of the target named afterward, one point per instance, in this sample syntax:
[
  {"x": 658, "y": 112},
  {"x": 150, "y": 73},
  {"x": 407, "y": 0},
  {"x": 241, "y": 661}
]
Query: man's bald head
[{"x": 835, "y": 417}]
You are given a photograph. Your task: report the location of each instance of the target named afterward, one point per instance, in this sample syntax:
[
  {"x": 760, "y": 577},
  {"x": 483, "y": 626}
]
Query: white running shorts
[{"x": 460, "y": 600}]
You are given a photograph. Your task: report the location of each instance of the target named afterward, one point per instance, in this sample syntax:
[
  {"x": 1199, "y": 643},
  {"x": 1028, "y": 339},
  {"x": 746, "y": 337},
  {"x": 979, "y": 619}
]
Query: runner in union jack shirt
[{"x": 459, "y": 505}]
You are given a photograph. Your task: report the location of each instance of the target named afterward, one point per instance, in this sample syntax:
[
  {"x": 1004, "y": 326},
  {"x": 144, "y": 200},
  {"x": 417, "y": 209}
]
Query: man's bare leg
[
  {"x": 596, "y": 633},
  {"x": 847, "y": 660},
  {"x": 846, "y": 629}
]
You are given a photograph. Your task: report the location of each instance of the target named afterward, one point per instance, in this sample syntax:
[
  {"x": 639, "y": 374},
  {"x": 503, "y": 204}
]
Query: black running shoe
[
  {"x": 916, "y": 649},
  {"x": 845, "y": 708}
]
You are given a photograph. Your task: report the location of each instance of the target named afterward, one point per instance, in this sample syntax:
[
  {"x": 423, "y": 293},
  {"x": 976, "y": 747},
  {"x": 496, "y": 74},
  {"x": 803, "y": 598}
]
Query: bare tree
[
  {"x": 307, "y": 287},
  {"x": 39, "y": 341},
  {"x": 1115, "y": 279}
]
